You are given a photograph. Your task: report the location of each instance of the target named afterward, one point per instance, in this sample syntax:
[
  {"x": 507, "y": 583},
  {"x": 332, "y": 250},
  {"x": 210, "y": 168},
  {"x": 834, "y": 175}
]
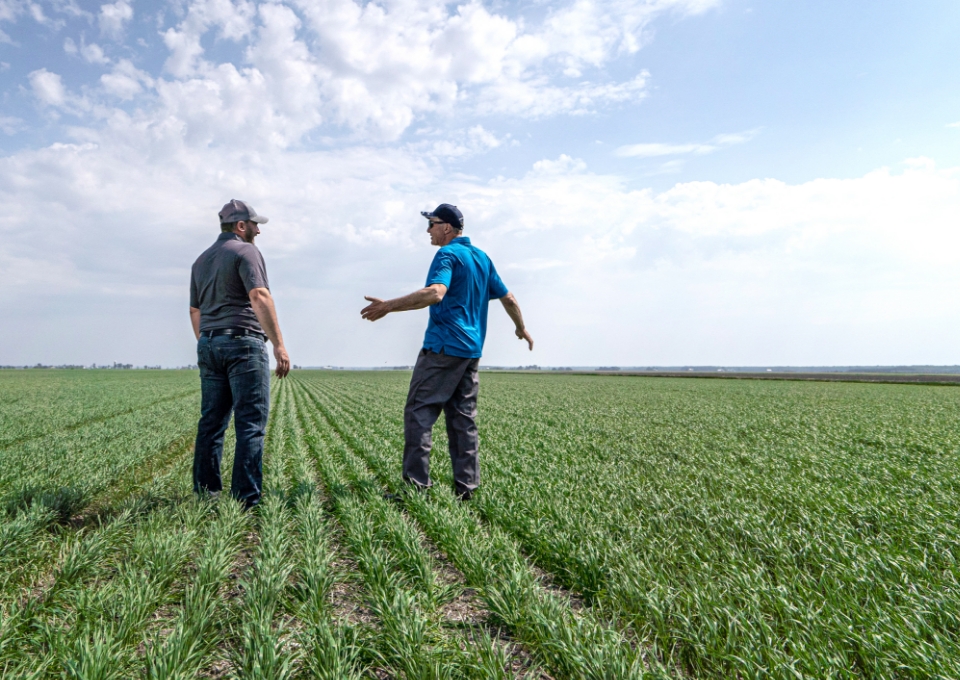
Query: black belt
[{"x": 233, "y": 332}]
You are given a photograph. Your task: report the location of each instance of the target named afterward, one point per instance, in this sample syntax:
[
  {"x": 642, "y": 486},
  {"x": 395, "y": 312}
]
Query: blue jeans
[{"x": 234, "y": 377}]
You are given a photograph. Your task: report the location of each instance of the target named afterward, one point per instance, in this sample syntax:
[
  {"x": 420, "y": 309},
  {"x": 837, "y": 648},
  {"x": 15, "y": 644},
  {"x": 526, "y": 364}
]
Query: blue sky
[{"x": 660, "y": 182}]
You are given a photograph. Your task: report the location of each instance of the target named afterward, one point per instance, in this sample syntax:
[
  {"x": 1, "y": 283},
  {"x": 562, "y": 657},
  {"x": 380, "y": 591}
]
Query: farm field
[{"x": 627, "y": 527}]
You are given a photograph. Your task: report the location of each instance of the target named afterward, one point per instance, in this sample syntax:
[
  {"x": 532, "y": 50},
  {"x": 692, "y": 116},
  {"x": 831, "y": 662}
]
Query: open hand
[
  {"x": 377, "y": 309},
  {"x": 524, "y": 334},
  {"x": 283, "y": 360}
]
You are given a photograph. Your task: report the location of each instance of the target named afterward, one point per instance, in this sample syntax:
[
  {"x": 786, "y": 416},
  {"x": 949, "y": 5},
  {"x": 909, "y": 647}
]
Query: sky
[{"x": 659, "y": 182}]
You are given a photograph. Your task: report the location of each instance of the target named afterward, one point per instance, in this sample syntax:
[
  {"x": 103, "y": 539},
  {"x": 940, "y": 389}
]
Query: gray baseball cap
[{"x": 236, "y": 211}]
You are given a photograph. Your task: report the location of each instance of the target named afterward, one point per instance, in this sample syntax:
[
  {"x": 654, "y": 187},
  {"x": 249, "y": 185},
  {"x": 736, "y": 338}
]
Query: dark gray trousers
[{"x": 449, "y": 384}]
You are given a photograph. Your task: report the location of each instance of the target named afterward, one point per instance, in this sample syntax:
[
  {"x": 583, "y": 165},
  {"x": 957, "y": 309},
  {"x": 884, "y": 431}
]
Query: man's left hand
[
  {"x": 524, "y": 334},
  {"x": 283, "y": 361},
  {"x": 377, "y": 309}
]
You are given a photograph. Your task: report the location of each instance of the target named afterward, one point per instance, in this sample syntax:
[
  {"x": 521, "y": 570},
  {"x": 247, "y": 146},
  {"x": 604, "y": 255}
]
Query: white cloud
[
  {"x": 564, "y": 165},
  {"x": 483, "y": 138},
  {"x": 93, "y": 53},
  {"x": 36, "y": 11},
  {"x": 48, "y": 87},
  {"x": 10, "y": 10},
  {"x": 372, "y": 69},
  {"x": 701, "y": 272},
  {"x": 654, "y": 149},
  {"x": 460, "y": 144},
  {"x": 113, "y": 17},
  {"x": 125, "y": 81},
  {"x": 881, "y": 251},
  {"x": 762, "y": 261},
  {"x": 376, "y": 68},
  {"x": 537, "y": 98},
  {"x": 954, "y": 125},
  {"x": 10, "y": 125},
  {"x": 730, "y": 139},
  {"x": 235, "y": 21},
  {"x": 589, "y": 33}
]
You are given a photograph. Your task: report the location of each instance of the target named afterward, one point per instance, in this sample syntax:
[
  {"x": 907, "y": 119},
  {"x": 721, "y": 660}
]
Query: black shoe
[{"x": 464, "y": 495}]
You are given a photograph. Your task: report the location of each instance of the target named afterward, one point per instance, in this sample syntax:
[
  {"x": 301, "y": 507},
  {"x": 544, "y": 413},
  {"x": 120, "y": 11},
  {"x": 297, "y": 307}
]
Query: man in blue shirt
[{"x": 461, "y": 282}]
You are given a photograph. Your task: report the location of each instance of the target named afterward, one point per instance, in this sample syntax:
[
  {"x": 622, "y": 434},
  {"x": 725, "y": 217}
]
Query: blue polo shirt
[{"x": 458, "y": 323}]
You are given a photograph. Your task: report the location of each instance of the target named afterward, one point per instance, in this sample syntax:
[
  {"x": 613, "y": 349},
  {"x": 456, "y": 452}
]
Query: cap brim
[
  {"x": 259, "y": 219},
  {"x": 428, "y": 215}
]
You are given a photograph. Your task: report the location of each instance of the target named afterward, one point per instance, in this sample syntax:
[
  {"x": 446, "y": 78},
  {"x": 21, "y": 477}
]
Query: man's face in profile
[
  {"x": 248, "y": 230},
  {"x": 436, "y": 230}
]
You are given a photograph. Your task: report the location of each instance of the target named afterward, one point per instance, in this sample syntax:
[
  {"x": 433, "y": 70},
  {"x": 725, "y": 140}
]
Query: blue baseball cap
[{"x": 446, "y": 213}]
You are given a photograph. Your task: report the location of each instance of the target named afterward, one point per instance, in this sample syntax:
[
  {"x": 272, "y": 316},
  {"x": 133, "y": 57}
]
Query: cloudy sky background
[{"x": 660, "y": 182}]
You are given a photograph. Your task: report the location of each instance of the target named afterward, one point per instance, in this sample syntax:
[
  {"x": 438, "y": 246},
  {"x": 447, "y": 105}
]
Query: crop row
[
  {"x": 760, "y": 531},
  {"x": 570, "y": 643},
  {"x": 78, "y": 592},
  {"x": 624, "y": 528}
]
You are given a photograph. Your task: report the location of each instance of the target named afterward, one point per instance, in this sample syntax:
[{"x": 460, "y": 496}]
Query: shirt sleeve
[
  {"x": 194, "y": 296},
  {"x": 252, "y": 270},
  {"x": 441, "y": 269},
  {"x": 495, "y": 287}
]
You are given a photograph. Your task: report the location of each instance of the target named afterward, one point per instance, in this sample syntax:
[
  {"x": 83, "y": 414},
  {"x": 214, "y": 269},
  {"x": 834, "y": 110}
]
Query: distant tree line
[{"x": 114, "y": 366}]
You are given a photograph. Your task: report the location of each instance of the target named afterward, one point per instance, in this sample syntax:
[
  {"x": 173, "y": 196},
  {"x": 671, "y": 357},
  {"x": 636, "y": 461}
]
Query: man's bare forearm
[
  {"x": 512, "y": 307},
  {"x": 195, "y": 321},
  {"x": 377, "y": 309},
  {"x": 263, "y": 307},
  {"x": 425, "y": 297}
]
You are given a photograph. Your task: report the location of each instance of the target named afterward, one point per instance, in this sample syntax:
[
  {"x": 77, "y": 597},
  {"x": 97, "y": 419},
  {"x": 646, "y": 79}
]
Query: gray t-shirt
[{"x": 221, "y": 281}]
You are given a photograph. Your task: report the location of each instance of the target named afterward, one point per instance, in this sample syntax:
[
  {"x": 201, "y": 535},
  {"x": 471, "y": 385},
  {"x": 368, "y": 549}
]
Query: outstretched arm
[
  {"x": 263, "y": 307},
  {"x": 512, "y": 308},
  {"x": 377, "y": 309}
]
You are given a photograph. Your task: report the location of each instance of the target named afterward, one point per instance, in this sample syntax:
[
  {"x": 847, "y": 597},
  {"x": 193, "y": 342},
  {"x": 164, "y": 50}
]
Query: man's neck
[{"x": 453, "y": 237}]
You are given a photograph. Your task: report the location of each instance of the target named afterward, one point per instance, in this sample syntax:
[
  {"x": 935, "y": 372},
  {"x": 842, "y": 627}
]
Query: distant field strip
[
  {"x": 626, "y": 528},
  {"x": 41, "y": 402}
]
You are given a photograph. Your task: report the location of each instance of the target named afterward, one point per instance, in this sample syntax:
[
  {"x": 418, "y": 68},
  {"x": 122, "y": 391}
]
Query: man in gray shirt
[{"x": 233, "y": 315}]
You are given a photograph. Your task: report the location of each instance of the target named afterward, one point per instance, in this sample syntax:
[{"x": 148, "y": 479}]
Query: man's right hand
[
  {"x": 377, "y": 309},
  {"x": 283, "y": 360}
]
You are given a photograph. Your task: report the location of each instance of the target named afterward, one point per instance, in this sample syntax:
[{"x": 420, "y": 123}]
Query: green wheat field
[{"x": 627, "y": 527}]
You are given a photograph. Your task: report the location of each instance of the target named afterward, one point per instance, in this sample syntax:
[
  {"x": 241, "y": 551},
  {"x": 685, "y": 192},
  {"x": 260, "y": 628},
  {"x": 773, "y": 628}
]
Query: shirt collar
[
  {"x": 465, "y": 240},
  {"x": 228, "y": 235}
]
